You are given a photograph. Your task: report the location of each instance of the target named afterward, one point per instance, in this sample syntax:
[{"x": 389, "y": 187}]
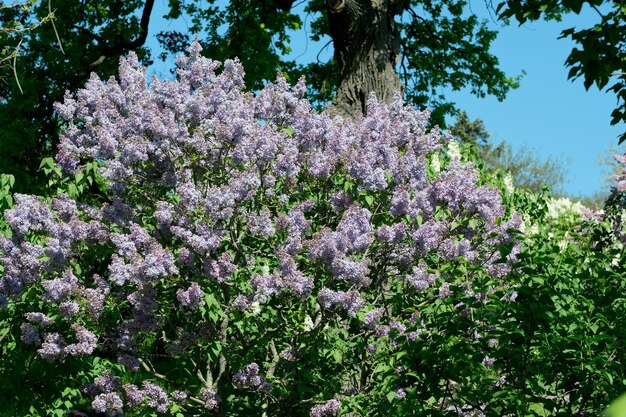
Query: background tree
[
  {"x": 17, "y": 27},
  {"x": 527, "y": 169},
  {"x": 434, "y": 44},
  {"x": 422, "y": 47},
  {"x": 94, "y": 35}
]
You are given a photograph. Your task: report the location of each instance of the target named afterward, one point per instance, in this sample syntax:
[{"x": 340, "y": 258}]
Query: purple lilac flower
[
  {"x": 212, "y": 146},
  {"x": 29, "y": 214},
  {"x": 40, "y": 318},
  {"x": 53, "y": 347},
  {"x": 488, "y": 362},
  {"x": 157, "y": 398},
  {"x": 107, "y": 402},
  {"x": 59, "y": 289},
  {"x": 265, "y": 286},
  {"x": 398, "y": 327},
  {"x": 299, "y": 284},
  {"x": 355, "y": 272},
  {"x": 420, "y": 280},
  {"x": 400, "y": 202},
  {"x": 241, "y": 302},
  {"x": 340, "y": 201},
  {"x": 94, "y": 300},
  {"x": 210, "y": 398},
  {"x": 349, "y": 301},
  {"x": 261, "y": 224},
  {"x": 221, "y": 269},
  {"x": 429, "y": 235},
  {"x": 30, "y": 334},
  {"x": 444, "y": 290},
  {"x": 288, "y": 354},
  {"x": 179, "y": 396},
  {"x": 249, "y": 377},
  {"x": 164, "y": 213},
  {"x": 392, "y": 234},
  {"x": 355, "y": 224},
  {"x": 191, "y": 298},
  {"x": 68, "y": 309},
  {"x": 328, "y": 409},
  {"x": 134, "y": 396},
  {"x": 185, "y": 257},
  {"x": 86, "y": 344},
  {"x": 372, "y": 317},
  {"x": 106, "y": 382},
  {"x": 382, "y": 331}
]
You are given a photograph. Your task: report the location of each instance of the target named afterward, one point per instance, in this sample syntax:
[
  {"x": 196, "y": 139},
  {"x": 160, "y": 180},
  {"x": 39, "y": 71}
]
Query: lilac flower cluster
[
  {"x": 191, "y": 298},
  {"x": 420, "y": 280},
  {"x": 54, "y": 346},
  {"x": 328, "y": 409},
  {"x": 110, "y": 401},
  {"x": 621, "y": 177},
  {"x": 210, "y": 398},
  {"x": 249, "y": 377},
  {"x": 251, "y": 199},
  {"x": 349, "y": 301},
  {"x": 107, "y": 393}
]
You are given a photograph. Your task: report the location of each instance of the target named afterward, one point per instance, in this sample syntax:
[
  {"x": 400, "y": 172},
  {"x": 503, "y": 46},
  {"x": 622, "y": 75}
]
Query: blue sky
[{"x": 549, "y": 114}]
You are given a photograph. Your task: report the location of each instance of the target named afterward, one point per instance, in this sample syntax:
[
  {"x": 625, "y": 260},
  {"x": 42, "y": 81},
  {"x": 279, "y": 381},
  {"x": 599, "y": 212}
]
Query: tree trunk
[{"x": 366, "y": 48}]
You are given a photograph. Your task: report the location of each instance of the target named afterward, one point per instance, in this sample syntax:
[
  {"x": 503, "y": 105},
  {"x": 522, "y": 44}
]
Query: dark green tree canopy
[
  {"x": 93, "y": 36},
  {"x": 433, "y": 44},
  {"x": 422, "y": 47}
]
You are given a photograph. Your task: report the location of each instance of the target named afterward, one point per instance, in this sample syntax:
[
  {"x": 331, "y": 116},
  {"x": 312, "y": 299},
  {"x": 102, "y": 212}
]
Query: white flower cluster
[
  {"x": 454, "y": 152},
  {"x": 565, "y": 209},
  {"x": 527, "y": 227},
  {"x": 508, "y": 183}
]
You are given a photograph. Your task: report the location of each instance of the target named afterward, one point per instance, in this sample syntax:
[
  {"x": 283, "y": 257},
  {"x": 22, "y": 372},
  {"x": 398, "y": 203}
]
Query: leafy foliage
[
  {"x": 241, "y": 254},
  {"x": 16, "y": 23},
  {"x": 247, "y": 250},
  {"x": 92, "y": 38},
  {"x": 439, "y": 46}
]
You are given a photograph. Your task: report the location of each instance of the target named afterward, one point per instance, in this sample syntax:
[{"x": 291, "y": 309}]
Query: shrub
[{"x": 245, "y": 255}]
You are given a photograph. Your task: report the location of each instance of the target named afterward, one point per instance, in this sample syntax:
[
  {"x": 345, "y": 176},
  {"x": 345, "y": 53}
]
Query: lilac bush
[{"x": 247, "y": 251}]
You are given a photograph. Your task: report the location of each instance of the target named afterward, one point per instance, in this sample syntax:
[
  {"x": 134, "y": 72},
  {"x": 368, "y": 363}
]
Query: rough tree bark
[{"x": 366, "y": 47}]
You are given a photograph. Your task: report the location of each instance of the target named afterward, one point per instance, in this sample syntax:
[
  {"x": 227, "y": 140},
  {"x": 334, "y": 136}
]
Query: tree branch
[
  {"x": 120, "y": 47},
  {"x": 284, "y": 5}
]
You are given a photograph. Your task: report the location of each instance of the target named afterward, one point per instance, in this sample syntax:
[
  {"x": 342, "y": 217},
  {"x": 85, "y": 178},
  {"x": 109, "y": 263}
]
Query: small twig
[
  {"x": 202, "y": 379},
  {"x": 150, "y": 368},
  {"x": 56, "y": 33},
  {"x": 209, "y": 375},
  {"x": 17, "y": 80},
  {"x": 597, "y": 11},
  {"x": 275, "y": 360},
  {"x": 197, "y": 400},
  {"x": 222, "y": 358}
]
